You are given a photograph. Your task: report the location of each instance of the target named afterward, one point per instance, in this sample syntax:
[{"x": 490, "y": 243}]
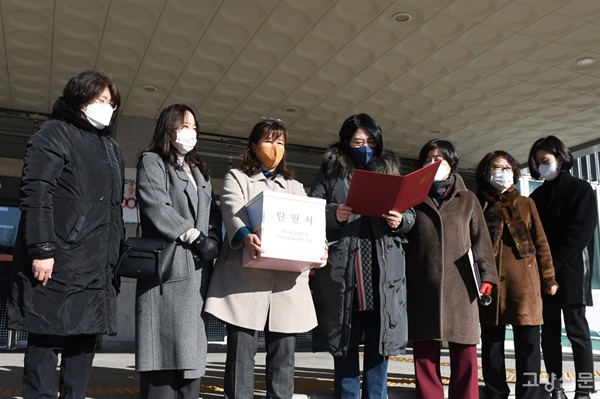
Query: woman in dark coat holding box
[
  {"x": 251, "y": 300},
  {"x": 442, "y": 294},
  {"x": 569, "y": 214},
  {"x": 176, "y": 203},
  {"x": 525, "y": 272},
  {"x": 361, "y": 291}
]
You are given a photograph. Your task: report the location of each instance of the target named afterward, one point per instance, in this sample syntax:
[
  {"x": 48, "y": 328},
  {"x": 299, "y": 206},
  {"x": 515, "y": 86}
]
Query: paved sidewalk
[{"x": 114, "y": 376}]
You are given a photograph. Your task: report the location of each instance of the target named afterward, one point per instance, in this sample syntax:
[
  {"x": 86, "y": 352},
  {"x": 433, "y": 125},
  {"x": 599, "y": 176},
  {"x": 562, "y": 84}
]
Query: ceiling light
[
  {"x": 435, "y": 130},
  {"x": 290, "y": 109},
  {"x": 150, "y": 89},
  {"x": 586, "y": 61},
  {"x": 402, "y": 17}
]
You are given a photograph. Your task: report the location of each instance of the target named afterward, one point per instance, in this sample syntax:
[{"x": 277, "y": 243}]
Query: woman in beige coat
[
  {"x": 525, "y": 269},
  {"x": 250, "y": 300}
]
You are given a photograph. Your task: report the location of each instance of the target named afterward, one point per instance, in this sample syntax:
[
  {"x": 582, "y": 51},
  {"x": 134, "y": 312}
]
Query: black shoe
[
  {"x": 558, "y": 393},
  {"x": 582, "y": 395}
]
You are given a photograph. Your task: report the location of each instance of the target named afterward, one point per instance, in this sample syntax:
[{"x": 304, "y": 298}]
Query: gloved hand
[
  {"x": 486, "y": 288},
  {"x": 204, "y": 247}
]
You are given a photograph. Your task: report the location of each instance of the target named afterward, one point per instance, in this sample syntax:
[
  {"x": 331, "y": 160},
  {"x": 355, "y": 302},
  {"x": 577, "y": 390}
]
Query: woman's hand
[
  {"x": 393, "y": 218},
  {"x": 323, "y": 258},
  {"x": 252, "y": 245},
  {"x": 42, "y": 269},
  {"x": 486, "y": 288},
  {"x": 552, "y": 290},
  {"x": 343, "y": 212}
]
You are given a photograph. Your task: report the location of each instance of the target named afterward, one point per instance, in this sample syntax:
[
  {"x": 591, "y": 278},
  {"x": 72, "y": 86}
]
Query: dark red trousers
[{"x": 463, "y": 371}]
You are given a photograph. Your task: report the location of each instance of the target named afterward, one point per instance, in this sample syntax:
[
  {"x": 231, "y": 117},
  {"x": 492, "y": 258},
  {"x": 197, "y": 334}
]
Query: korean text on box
[{"x": 291, "y": 229}]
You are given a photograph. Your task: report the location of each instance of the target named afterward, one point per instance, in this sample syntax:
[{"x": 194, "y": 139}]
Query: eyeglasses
[
  {"x": 104, "y": 100},
  {"x": 499, "y": 168},
  {"x": 362, "y": 143}
]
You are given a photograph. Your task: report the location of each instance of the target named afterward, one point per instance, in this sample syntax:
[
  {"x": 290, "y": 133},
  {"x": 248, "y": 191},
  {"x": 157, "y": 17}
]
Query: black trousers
[
  {"x": 41, "y": 358},
  {"x": 168, "y": 384},
  {"x": 578, "y": 332},
  {"x": 527, "y": 359},
  {"x": 242, "y": 345}
]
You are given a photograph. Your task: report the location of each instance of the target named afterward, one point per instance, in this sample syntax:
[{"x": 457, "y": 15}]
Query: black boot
[
  {"x": 582, "y": 395},
  {"x": 558, "y": 393}
]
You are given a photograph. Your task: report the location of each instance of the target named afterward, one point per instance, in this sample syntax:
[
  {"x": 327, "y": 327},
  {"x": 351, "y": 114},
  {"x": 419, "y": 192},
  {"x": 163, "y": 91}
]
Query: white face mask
[
  {"x": 99, "y": 115},
  {"x": 442, "y": 172},
  {"x": 501, "y": 179},
  {"x": 549, "y": 172},
  {"x": 185, "y": 141}
]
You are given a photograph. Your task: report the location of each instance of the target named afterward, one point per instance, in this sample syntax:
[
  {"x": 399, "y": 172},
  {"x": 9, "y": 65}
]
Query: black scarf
[
  {"x": 501, "y": 211},
  {"x": 440, "y": 190}
]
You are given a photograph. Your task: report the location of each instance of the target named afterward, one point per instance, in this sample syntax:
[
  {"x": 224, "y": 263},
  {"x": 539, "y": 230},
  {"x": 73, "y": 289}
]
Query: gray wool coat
[
  {"x": 247, "y": 297},
  {"x": 170, "y": 328},
  {"x": 442, "y": 297}
]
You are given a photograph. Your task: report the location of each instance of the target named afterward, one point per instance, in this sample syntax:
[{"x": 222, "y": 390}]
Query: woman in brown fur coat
[{"x": 525, "y": 271}]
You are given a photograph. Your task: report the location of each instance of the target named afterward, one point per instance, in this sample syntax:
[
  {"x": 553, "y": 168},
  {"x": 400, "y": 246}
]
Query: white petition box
[{"x": 291, "y": 229}]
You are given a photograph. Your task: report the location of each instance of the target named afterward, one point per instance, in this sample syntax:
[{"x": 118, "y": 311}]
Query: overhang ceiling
[{"x": 485, "y": 74}]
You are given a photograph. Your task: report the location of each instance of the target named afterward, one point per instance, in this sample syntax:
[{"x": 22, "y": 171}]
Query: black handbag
[{"x": 147, "y": 259}]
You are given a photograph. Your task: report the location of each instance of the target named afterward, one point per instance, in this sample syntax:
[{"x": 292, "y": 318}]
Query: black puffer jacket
[
  {"x": 71, "y": 193},
  {"x": 334, "y": 285}
]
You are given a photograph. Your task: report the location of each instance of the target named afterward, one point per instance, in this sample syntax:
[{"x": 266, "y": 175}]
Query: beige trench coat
[{"x": 248, "y": 297}]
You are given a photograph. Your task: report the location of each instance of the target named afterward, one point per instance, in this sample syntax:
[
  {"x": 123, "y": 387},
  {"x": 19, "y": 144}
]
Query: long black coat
[
  {"x": 334, "y": 285},
  {"x": 70, "y": 198},
  {"x": 567, "y": 209}
]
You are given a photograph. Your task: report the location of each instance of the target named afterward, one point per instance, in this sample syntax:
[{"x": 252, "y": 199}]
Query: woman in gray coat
[
  {"x": 251, "y": 300},
  {"x": 176, "y": 203}
]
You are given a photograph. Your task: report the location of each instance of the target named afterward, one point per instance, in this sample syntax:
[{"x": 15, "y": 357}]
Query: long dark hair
[
  {"x": 85, "y": 86},
  {"x": 170, "y": 120},
  {"x": 250, "y": 164},
  {"x": 553, "y": 145},
  {"x": 361, "y": 121},
  {"x": 486, "y": 163}
]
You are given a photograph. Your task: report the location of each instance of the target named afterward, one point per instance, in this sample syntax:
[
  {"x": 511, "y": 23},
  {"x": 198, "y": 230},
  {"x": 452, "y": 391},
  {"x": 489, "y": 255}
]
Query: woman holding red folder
[
  {"x": 442, "y": 294},
  {"x": 360, "y": 296}
]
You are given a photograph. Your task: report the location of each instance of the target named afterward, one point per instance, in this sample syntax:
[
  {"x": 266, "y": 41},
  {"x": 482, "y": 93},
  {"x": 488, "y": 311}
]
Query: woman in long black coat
[
  {"x": 69, "y": 235},
  {"x": 569, "y": 214}
]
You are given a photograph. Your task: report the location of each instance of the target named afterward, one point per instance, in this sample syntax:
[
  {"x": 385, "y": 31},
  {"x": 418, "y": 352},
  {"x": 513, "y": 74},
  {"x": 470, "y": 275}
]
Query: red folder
[{"x": 373, "y": 193}]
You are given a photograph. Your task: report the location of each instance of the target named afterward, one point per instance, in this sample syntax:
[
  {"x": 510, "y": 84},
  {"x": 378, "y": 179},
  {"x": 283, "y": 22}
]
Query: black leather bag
[{"x": 147, "y": 259}]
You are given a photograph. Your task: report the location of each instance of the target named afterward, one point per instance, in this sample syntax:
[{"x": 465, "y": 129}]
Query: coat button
[
  {"x": 502, "y": 278},
  {"x": 529, "y": 265},
  {"x": 389, "y": 247},
  {"x": 392, "y": 326},
  {"x": 391, "y": 286},
  {"x": 101, "y": 199}
]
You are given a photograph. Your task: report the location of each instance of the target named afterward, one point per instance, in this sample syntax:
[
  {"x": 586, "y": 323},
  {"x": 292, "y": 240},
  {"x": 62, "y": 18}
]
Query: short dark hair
[
  {"x": 85, "y": 86},
  {"x": 486, "y": 163},
  {"x": 169, "y": 121},
  {"x": 553, "y": 145},
  {"x": 250, "y": 164},
  {"x": 361, "y": 121},
  {"x": 447, "y": 149}
]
